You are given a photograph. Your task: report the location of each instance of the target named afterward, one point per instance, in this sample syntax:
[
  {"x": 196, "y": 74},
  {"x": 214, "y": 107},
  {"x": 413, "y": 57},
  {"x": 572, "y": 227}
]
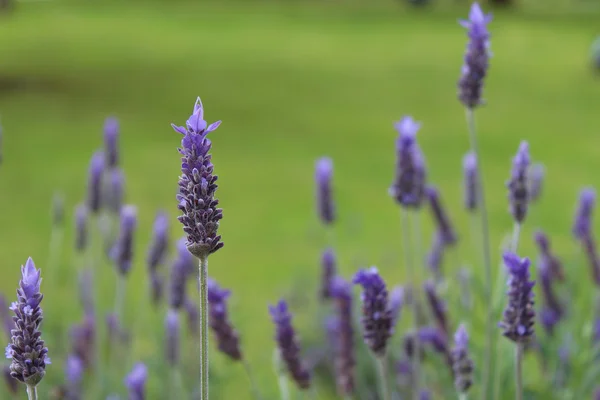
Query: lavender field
[{"x": 291, "y": 83}]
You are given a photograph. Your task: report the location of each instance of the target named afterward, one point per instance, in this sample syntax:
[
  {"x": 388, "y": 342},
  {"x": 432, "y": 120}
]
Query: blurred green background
[{"x": 292, "y": 81}]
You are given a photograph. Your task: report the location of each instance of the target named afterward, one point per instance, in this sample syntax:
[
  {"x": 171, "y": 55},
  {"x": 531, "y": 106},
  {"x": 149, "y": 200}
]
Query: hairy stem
[
  {"x": 382, "y": 369},
  {"x": 489, "y": 349},
  {"x": 253, "y": 385},
  {"x": 32, "y": 392},
  {"x": 204, "y": 327},
  {"x": 407, "y": 247},
  {"x": 519, "y": 371}
]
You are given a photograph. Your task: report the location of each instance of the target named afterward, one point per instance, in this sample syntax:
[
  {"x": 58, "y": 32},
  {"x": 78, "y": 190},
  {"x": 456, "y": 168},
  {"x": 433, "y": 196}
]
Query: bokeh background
[{"x": 292, "y": 81}]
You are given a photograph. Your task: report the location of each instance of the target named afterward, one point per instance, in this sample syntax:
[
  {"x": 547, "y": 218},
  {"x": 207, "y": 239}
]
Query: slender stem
[
  {"x": 489, "y": 350},
  {"x": 253, "y": 385},
  {"x": 284, "y": 389},
  {"x": 204, "y": 327},
  {"x": 407, "y": 247},
  {"x": 119, "y": 295},
  {"x": 519, "y": 371},
  {"x": 514, "y": 243},
  {"x": 462, "y": 396},
  {"x": 32, "y": 392},
  {"x": 382, "y": 368}
]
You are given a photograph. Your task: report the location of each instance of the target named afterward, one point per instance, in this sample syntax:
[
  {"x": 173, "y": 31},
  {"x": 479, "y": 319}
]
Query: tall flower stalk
[
  {"x": 470, "y": 88},
  {"x": 200, "y": 215}
]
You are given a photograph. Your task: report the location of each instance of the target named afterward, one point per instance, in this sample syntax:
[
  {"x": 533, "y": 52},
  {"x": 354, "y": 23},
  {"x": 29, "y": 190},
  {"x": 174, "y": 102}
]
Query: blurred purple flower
[
  {"x": 323, "y": 176},
  {"x": 227, "y": 338},
  {"x": 474, "y": 70},
  {"x": 518, "y": 190},
  {"x": 589, "y": 244},
  {"x": 328, "y": 271},
  {"x": 289, "y": 350},
  {"x": 409, "y": 182},
  {"x": 82, "y": 338},
  {"x": 81, "y": 228},
  {"x": 519, "y": 315},
  {"x": 157, "y": 254},
  {"x": 435, "y": 256},
  {"x": 74, "y": 368},
  {"x": 172, "y": 334},
  {"x": 536, "y": 181},
  {"x": 114, "y": 190},
  {"x": 178, "y": 275},
  {"x": 437, "y": 307},
  {"x": 12, "y": 385},
  {"x": 547, "y": 258},
  {"x": 341, "y": 291},
  {"x": 7, "y": 322},
  {"x": 461, "y": 361},
  {"x": 136, "y": 382},
  {"x": 111, "y": 142},
  {"x": 96, "y": 170},
  {"x": 444, "y": 227},
  {"x": 122, "y": 252},
  {"x": 193, "y": 316},
  {"x": 26, "y": 348},
  {"x": 553, "y": 309},
  {"x": 425, "y": 394},
  {"x": 583, "y": 217},
  {"x": 397, "y": 299},
  {"x": 376, "y": 315},
  {"x": 470, "y": 181},
  {"x": 197, "y": 185}
]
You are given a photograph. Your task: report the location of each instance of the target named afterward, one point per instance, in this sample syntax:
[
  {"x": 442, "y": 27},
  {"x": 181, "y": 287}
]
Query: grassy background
[{"x": 291, "y": 81}]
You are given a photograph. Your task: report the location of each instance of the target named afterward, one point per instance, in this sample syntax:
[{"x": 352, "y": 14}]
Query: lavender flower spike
[
  {"x": 289, "y": 349},
  {"x": 172, "y": 333},
  {"x": 115, "y": 190},
  {"x": 157, "y": 254},
  {"x": 518, "y": 190},
  {"x": 328, "y": 271},
  {"x": 377, "y": 317},
  {"x": 470, "y": 181},
  {"x": 519, "y": 315},
  {"x": 397, "y": 300},
  {"x": 74, "y": 369},
  {"x": 409, "y": 182},
  {"x": 227, "y": 338},
  {"x": 462, "y": 364},
  {"x": 197, "y": 185},
  {"x": 136, "y": 382},
  {"x": 179, "y": 273},
  {"x": 583, "y": 217},
  {"x": 122, "y": 253},
  {"x": 111, "y": 142},
  {"x": 444, "y": 226},
  {"x": 81, "y": 228},
  {"x": 341, "y": 290},
  {"x": 26, "y": 348},
  {"x": 536, "y": 181},
  {"x": 96, "y": 170},
  {"x": 323, "y": 176},
  {"x": 474, "y": 70},
  {"x": 547, "y": 257},
  {"x": 437, "y": 306},
  {"x": 58, "y": 209}
]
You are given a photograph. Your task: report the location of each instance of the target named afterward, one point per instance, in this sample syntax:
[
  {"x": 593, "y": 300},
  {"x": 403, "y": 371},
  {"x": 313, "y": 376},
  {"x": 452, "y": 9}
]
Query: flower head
[
  {"x": 377, "y": 316},
  {"x": 111, "y": 142},
  {"x": 197, "y": 185},
  {"x": 519, "y": 315},
  {"x": 328, "y": 271},
  {"x": 583, "y": 217},
  {"x": 74, "y": 368},
  {"x": 81, "y": 228},
  {"x": 536, "y": 181},
  {"x": 227, "y": 338},
  {"x": 180, "y": 270},
  {"x": 114, "y": 191},
  {"x": 289, "y": 349},
  {"x": 409, "y": 182},
  {"x": 323, "y": 176},
  {"x": 26, "y": 348},
  {"x": 136, "y": 382},
  {"x": 444, "y": 226},
  {"x": 437, "y": 306},
  {"x": 461, "y": 361},
  {"x": 475, "y": 67},
  {"x": 470, "y": 179},
  {"x": 94, "y": 194},
  {"x": 435, "y": 257},
  {"x": 518, "y": 187},
  {"x": 341, "y": 291},
  {"x": 122, "y": 252}
]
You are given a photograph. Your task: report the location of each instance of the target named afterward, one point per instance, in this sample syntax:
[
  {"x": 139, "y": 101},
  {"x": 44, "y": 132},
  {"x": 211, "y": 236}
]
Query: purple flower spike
[
  {"x": 444, "y": 226},
  {"x": 589, "y": 244},
  {"x": 474, "y": 70},
  {"x": 197, "y": 185},
  {"x": 409, "y": 182},
  {"x": 122, "y": 253},
  {"x": 377, "y": 317},
  {"x": 323, "y": 177},
  {"x": 111, "y": 142},
  {"x": 519, "y": 315},
  {"x": 425, "y": 394},
  {"x": 157, "y": 253},
  {"x": 115, "y": 190},
  {"x": 553, "y": 309},
  {"x": 435, "y": 257},
  {"x": 81, "y": 228},
  {"x": 550, "y": 261},
  {"x": 536, "y": 181},
  {"x": 289, "y": 350},
  {"x": 96, "y": 170},
  {"x": 26, "y": 348},
  {"x": 328, "y": 271},
  {"x": 136, "y": 382},
  {"x": 518, "y": 190},
  {"x": 74, "y": 372},
  {"x": 461, "y": 361},
  {"x": 193, "y": 317},
  {"x": 178, "y": 275},
  {"x": 172, "y": 337},
  {"x": 397, "y": 299},
  {"x": 227, "y": 337},
  {"x": 470, "y": 181},
  {"x": 341, "y": 291},
  {"x": 583, "y": 218},
  {"x": 437, "y": 306},
  {"x": 82, "y": 340}
]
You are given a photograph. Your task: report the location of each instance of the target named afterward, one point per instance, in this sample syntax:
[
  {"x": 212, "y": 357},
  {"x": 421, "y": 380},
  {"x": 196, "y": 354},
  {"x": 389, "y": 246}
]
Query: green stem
[
  {"x": 514, "y": 243},
  {"x": 519, "y": 371},
  {"x": 32, "y": 392},
  {"x": 204, "y": 327},
  {"x": 253, "y": 385},
  {"x": 462, "y": 396},
  {"x": 119, "y": 296},
  {"x": 382, "y": 368},
  {"x": 407, "y": 247},
  {"x": 489, "y": 350},
  {"x": 284, "y": 390}
]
